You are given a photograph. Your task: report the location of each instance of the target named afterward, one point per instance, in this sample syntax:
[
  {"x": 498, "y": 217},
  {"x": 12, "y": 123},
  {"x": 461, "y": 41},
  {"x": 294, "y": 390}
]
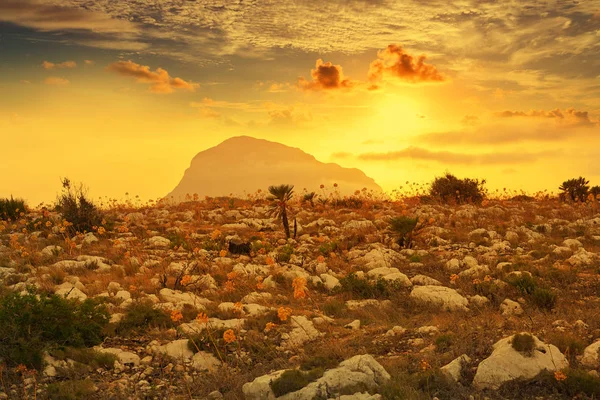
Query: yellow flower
[
  {"x": 229, "y": 336},
  {"x": 284, "y": 313},
  {"x": 270, "y": 326},
  {"x": 560, "y": 376},
  {"x": 101, "y": 230},
  {"x": 202, "y": 318},
  {"x": 176, "y": 316}
]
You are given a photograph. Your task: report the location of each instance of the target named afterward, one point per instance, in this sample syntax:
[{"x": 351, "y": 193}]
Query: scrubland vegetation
[{"x": 278, "y": 293}]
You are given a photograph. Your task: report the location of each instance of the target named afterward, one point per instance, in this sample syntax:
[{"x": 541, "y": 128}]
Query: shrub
[
  {"x": 71, "y": 390},
  {"x": 77, "y": 208},
  {"x": 595, "y": 192},
  {"x": 93, "y": 358},
  {"x": 525, "y": 283},
  {"x": 31, "y": 324},
  {"x": 365, "y": 289},
  {"x": 284, "y": 254},
  {"x": 443, "y": 343},
  {"x": 574, "y": 189},
  {"x": 449, "y": 188},
  {"x": 403, "y": 227},
  {"x": 524, "y": 343},
  {"x": 143, "y": 315},
  {"x": 293, "y": 380},
  {"x": 544, "y": 298},
  {"x": 11, "y": 208}
]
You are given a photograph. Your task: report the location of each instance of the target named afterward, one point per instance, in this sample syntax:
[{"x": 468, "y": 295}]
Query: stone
[
  {"x": 440, "y": 296},
  {"x": 50, "y": 251},
  {"x": 590, "y": 357},
  {"x": 390, "y": 274},
  {"x": 203, "y": 361},
  {"x": 124, "y": 357},
  {"x": 303, "y": 331},
  {"x": 453, "y": 370},
  {"x": 330, "y": 281},
  {"x": 506, "y": 364},
  {"x": 510, "y": 307},
  {"x": 423, "y": 280},
  {"x": 452, "y": 265},
  {"x": 178, "y": 297},
  {"x": 69, "y": 291},
  {"x": 159, "y": 242},
  {"x": 178, "y": 349},
  {"x": 354, "y": 325}
]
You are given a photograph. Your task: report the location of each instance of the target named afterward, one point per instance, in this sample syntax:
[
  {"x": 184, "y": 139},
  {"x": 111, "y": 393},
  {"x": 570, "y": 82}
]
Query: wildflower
[
  {"x": 132, "y": 288},
  {"x": 270, "y": 326},
  {"x": 335, "y": 185},
  {"x": 284, "y": 313},
  {"x": 229, "y": 336},
  {"x": 424, "y": 365},
  {"x": 322, "y": 186},
  {"x": 299, "y": 285},
  {"x": 229, "y": 285},
  {"x": 176, "y": 316},
  {"x": 48, "y": 224},
  {"x": 238, "y": 308},
  {"x": 223, "y": 253},
  {"x": 476, "y": 281},
  {"x": 21, "y": 368},
  {"x": 453, "y": 278},
  {"x": 259, "y": 283},
  {"x": 186, "y": 280},
  {"x": 320, "y": 259},
  {"x": 560, "y": 376},
  {"x": 487, "y": 278},
  {"x": 202, "y": 318},
  {"x": 232, "y": 275},
  {"x": 215, "y": 234},
  {"x": 270, "y": 261},
  {"x": 431, "y": 220}
]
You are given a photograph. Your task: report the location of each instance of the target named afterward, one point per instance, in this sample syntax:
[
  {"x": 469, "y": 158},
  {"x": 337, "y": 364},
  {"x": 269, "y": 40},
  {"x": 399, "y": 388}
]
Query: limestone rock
[{"x": 440, "y": 296}]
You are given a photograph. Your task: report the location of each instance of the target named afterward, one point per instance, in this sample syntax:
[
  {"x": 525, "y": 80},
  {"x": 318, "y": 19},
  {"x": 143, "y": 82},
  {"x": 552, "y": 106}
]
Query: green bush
[
  {"x": 443, "y": 343},
  {"x": 70, "y": 390},
  {"x": 544, "y": 298},
  {"x": 365, "y": 289},
  {"x": 93, "y": 358},
  {"x": 524, "y": 343},
  {"x": 293, "y": 380},
  {"x": 11, "y": 208},
  {"x": 449, "y": 188},
  {"x": 284, "y": 254},
  {"x": 31, "y": 324},
  {"x": 142, "y": 315},
  {"x": 525, "y": 283},
  {"x": 404, "y": 227},
  {"x": 77, "y": 208},
  {"x": 575, "y": 189}
]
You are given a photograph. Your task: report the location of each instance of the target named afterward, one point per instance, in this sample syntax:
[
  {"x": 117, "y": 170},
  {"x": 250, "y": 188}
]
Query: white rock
[
  {"x": 573, "y": 244},
  {"x": 159, "y": 241},
  {"x": 423, "y": 280},
  {"x": 123, "y": 295},
  {"x": 177, "y": 349},
  {"x": 590, "y": 357},
  {"x": 354, "y": 325},
  {"x": 69, "y": 291},
  {"x": 50, "y": 251},
  {"x": 178, "y": 297},
  {"x": 509, "y": 307},
  {"x": 506, "y": 364},
  {"x": 89, "y": 238},
  {"x": 453, "y": 265},
  {"x": 396, "y": 331},
  {"x": 124, "y": 357},
  {"x": 203, "y": 361},
  {"x": 469, "y": 262},
  {"x": 453, "y": 370},
  {"x": 330, "y": 281},
  {"x": 440, "y": 296},
  {"x": 303, "y": 331}
]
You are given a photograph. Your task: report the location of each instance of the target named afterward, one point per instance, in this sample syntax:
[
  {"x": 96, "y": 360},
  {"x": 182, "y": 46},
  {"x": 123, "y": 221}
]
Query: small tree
[
  {"x": 574, "y": 189},
  {"x": 76, "y": 208},
  {"x": 310, "y": 198},
  {"x": 595, "y": 191},
  {"x": 280, "y": 196},
  {"x": 11, "y": 208},
  {"x": 449, "y": 188}
]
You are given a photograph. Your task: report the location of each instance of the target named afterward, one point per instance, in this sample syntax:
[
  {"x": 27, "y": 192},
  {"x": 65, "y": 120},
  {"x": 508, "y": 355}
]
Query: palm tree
[
  {"x": 310, "y": 197},
  {"x": 280, "y": 195},
  {"x": 574, "y": 189}
]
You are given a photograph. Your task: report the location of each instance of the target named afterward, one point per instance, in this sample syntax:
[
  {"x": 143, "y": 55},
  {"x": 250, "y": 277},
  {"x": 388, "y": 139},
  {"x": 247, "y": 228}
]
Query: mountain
[{"x": 245, "y": 164}]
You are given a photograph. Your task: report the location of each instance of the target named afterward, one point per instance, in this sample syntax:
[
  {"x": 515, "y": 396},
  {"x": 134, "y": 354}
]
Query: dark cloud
[
  {"x": 395, "y": 62},
  {"x": 569, "y": 116},
  {"x": 325, "y": 76},
  {"x": 160, "y": 81},
  {"x": 448, "y": 157}
]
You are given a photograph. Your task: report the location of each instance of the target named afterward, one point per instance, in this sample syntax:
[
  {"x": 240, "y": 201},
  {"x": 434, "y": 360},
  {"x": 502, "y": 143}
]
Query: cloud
[
  {"x": 395, "y": 62},
  {"x": 448, "y": 157},
  {"x": 470, "y": 120},
  {"x": 88, "y": 62},
  {"x": 569, "y": 116},
  {"x": 56, "y": 81},
  {"x": 325, "y": 76},
  {"x": 25, "y": 81},
  {"x": 65, "y": 64},
  {"x": 49, "y": 17},
  {"x": 287, "y": 117},
  {"x": 160, "y": 81},
  {"x": 208, "y": 102}
]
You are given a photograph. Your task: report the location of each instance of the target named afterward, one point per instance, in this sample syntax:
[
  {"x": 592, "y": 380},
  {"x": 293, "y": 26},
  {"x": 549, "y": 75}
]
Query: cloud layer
[{"x": 160, "y": 81}]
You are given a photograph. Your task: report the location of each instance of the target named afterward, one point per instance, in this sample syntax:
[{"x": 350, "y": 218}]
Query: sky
[{"x": 120, "y": 95}]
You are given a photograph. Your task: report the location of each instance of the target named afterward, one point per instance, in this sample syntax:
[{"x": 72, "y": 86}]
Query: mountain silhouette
[{"x": 242, "y": 165}]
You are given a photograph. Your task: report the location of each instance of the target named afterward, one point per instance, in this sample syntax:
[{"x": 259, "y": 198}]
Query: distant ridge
[{"x": 244, "y": 164}]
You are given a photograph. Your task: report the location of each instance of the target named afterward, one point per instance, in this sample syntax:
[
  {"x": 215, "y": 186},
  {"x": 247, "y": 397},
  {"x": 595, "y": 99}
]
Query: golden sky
[{"x": 122, "y": 95}]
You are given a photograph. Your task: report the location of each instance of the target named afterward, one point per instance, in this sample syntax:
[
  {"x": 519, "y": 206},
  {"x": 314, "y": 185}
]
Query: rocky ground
[{"x": 342, "y": 311}]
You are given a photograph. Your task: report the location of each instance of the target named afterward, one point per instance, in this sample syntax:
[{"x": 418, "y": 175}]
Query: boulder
[
  {"x": 590, "y": 357},
  {"x": 453, "y": 370},
  {"x": 441, "y": 297},
  {"x": 506, "y": 364},
  {"x": 159, "y": 242}
]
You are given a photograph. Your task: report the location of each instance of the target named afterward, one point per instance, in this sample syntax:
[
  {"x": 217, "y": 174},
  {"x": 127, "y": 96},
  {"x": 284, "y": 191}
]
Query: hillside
[{"x": 242, "y": 165}]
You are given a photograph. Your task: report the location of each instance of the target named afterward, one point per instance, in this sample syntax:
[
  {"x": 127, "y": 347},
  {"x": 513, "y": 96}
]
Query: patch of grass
[
  {"x": 568, "y": 344},
  {"x": 11, "y": 208},
  {"x": 143, "y": 315},
  {"x": 87, "y": 356},
  {"x": 327, "y": 248},
  {"x": 70, "y": 390},
  {"x": 443, "y": 343},
  {"x": 524, "y": 343},
  {"x": 579, "y": 384},
  {"x": 334, "y": 308},
  {"x": 366, "y": 289},
  {"x": 33, "y": 323},
  {"x": 544, "y": 298},
  {"x": 525, "y": 283},
  {"x": 293, "y": 380},
  {"x": 284, "y": 254}
]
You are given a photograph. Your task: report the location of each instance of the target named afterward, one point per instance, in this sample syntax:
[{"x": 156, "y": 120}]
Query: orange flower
[
  {"x": 487, "y": 278},
  {"x": 299, "y": 285},
  {"x": 453, "y": 278},
  {"x": 238, "y": 308},
  {"x": 431, "y": 220},
  {"x": 223, "y": 253},
  {"x": 229, "y": 336},
  {"x": 186, "y": 280},
  {"x": 270, "y": 326},
  {"x": 320, "y": 259},
  {"x": 476, "y": 281},
  {"x": 176, "y": 316},
  {"x": 284, "y": 313},
  {"x": 202, "y": 318},
  {"x": 101, "y": 230},
  {"x": 424, "y": 365},
  {"x": 270, "y": 261},
  {"x": 229, "y": 286},
  {"x": 215, "y": 234},
  {"x": 259, "y": 283},
  {"x": 560, "y": 376}
]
